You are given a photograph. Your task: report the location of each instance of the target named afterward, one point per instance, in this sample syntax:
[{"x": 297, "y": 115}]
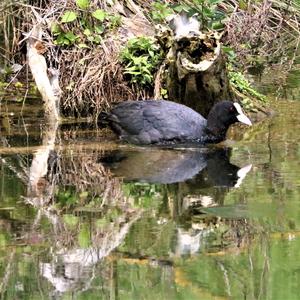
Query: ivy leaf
[
  {"x": 87, "y": 32},
  {"x": 99, "y": 29},
  {"x": 99, "y": 14},
  {"x": 69, "y": 16},
  {"x": 61, "y": 40},
  {"x": 71, "y": 36},
  {"x": 90, "y": 38},
  {"x": 83, "y": 4},
  {"x": 55, "y": 29},
  {"x": 97, "y": 39},
  {"x": 82, "y": 46}
]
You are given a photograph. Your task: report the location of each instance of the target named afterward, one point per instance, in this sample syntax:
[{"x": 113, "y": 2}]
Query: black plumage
[{"x": 160, "y": 121}]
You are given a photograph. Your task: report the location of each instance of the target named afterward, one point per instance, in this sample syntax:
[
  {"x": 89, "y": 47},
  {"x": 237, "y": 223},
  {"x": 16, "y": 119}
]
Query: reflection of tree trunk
[
  {"x": 175, "y": 197},
  {"x": 113, "y": 281},
  {"x": 70, "y": 268},
  {"x": 39, "y": 166},
  {"x": 182, "y": 196},
  {"x": 265, "y": 270},
  {"x": 7, "y": 273}
]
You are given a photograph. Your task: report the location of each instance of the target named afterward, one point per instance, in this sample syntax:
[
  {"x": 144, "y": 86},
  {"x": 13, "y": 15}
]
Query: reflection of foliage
[
  {"x": 84, "y": 236},
  {"x": 150, "y": 237},
  {"x": 145, "y": 195},
  {"x": 4, "y": 239},
  {"x": 262, "y": 268},
  {"x": 270, "y": 195},
  {"x": 268, "y": 266},
  {"x": 93, "y": 184},
  {"x": 67, "y": 198},
  {"x": 275, "y": 180}
]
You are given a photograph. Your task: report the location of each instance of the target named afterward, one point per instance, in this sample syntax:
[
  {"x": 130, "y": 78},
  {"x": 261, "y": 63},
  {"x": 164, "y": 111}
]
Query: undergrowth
[
  {"x": 92, "y": 25},
  {"x": 207, "y": 12},
  {"x": 87, "y": 37},
  {"x": 239, "y": 83},
  {"x": 243, "y": 87},
  {"x": 141, "y": 56}
]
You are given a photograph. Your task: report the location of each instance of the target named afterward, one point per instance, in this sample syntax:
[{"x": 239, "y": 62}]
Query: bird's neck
[{"x": 215, "y": 129}]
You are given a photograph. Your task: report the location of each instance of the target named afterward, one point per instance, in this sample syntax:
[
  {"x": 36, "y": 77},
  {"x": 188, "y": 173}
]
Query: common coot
[{"x": 160, "y": 121}]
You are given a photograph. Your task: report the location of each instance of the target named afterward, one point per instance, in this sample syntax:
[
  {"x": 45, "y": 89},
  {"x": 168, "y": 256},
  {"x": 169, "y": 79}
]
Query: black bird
[{"x": 160, "y": 121}]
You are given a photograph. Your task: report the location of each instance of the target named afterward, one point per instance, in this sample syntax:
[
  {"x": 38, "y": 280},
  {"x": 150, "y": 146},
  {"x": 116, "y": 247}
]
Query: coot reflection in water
[{"x": 209, "y": 166}]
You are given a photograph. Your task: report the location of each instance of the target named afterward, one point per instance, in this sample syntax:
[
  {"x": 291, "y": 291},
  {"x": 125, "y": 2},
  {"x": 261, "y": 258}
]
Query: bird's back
[{"x": 153, "y": 121}]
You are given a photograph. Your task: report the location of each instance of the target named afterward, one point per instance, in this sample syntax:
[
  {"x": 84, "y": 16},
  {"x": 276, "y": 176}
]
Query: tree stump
[{"x": 197, "y": 75}]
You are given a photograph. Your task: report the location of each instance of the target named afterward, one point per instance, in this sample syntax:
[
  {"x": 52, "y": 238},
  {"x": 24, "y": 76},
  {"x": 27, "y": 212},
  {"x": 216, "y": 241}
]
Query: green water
[{"x": 93, "y": 227}]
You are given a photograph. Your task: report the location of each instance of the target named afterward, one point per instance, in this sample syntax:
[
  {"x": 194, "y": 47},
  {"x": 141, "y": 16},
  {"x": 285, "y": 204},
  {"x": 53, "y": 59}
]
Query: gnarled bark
[{"x": 197, "y": 75}]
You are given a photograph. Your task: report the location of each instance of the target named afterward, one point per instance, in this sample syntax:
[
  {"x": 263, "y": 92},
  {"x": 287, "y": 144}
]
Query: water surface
[{"x": 83, "y": 217}]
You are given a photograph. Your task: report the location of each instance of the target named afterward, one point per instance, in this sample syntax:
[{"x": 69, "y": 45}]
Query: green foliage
[
  {"x": 141, "y": 57},
  {"x": 206, "y": 10},
  {"x": 99, "y": 14},
  {"x": 68, "y": 16},
  {"x": 83, "y": 4},
  {"x": 114, "y": 21},
  {"x": 66, "y": 38},
  {"x": 66, "y": 198},
  {"x": 88, "y": 26},
  {"x": 230, "y": 53},
  {"x": 160, "y": 11},
  {"x": 145, "y": 195},
  {"x": 70, "y": 220},
  {"x": 239, "y": 82},
  {"x": 84, "y": 236},
  {"x": 14, "y": 91},
  {"x": 4, "y": 239},
  {"x": 209, "y": 15}
]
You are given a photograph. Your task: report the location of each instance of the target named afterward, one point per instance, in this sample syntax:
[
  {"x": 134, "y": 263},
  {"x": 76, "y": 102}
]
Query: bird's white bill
[
  {"x": 242, "y": 174},
  {"x": 241, "y": 116}
]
